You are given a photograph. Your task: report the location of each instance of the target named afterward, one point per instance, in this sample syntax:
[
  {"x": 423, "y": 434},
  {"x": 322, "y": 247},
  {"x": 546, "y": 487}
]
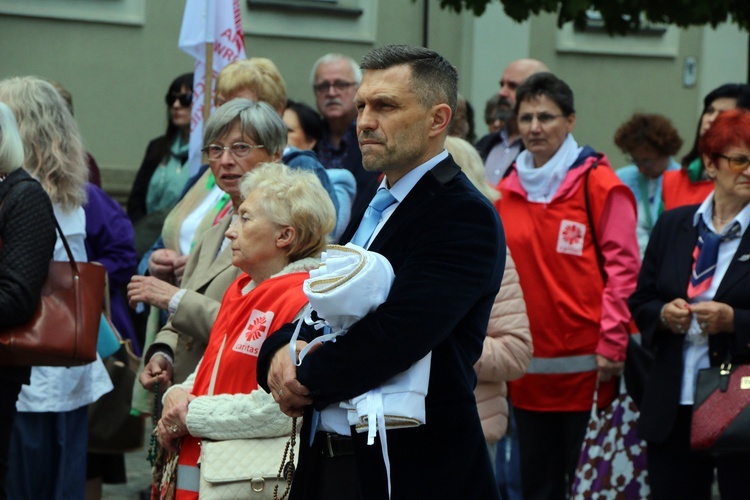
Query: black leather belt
[{"x": 332, "y": 445}]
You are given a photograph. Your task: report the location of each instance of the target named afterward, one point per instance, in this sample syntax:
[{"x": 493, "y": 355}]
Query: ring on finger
[
  {"x": 703, "y": 325},
  {"x": 174, "y": 428},
  {"x": 281, "y": 392}
]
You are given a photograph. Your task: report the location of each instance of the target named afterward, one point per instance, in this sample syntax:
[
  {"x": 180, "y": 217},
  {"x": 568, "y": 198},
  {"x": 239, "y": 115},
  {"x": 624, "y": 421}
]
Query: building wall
[{"x": 119, "y": 72}]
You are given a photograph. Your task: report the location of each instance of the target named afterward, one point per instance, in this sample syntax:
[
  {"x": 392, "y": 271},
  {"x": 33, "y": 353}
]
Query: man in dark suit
[{"x": 447, "y": 248}]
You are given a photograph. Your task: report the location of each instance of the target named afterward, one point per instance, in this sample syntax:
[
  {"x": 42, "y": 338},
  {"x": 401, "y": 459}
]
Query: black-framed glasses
[
  {"x": 736, "y": 163},
  {"x": 185, "y": 99},
  {"x": 339, "y": 85},
  {"x": 542, "y": 118},
  {"x": 238, "y": 150}
]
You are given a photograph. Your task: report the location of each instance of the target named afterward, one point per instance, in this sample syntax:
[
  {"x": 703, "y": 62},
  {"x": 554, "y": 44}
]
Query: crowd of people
[{"x": 524, "y": 263}]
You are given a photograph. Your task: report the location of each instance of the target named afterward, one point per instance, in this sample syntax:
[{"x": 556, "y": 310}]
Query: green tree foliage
[{"x": 621, "y": 16}]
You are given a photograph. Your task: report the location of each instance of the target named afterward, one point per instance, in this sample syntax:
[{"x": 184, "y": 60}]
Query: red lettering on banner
[{"x": 224, "y": 52}]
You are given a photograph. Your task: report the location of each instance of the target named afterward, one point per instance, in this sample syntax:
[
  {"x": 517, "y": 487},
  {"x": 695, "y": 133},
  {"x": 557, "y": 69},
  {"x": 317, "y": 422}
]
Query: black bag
[
  {"x": 721, "y": 411},
  {"x": 638, "y": 361},
  {"x": 112, "y": 428}
]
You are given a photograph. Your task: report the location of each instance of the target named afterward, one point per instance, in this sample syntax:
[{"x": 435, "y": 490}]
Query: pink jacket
[{"x": 506, "y": 354}]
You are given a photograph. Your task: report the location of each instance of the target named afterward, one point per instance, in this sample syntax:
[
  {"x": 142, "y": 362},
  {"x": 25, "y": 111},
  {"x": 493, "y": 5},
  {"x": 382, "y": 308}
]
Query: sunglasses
[
  {"x": 185, "y": 99},
  {"x": 736, "y": 163}
]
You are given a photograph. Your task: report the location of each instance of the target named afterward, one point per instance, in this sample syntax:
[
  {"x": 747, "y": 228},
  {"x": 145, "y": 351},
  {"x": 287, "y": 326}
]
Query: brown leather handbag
[{"x": 64, "y": 329}]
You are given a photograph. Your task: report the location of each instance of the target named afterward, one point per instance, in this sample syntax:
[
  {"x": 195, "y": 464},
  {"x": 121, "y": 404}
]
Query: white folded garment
[{"x": 351, "y": 283}]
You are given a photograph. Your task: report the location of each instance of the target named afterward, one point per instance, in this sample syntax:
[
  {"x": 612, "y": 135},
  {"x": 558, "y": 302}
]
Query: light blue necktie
[{"x": 382, "y": 200}]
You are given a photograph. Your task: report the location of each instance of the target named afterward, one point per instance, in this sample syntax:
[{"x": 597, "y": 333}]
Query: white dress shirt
[{"x": 695, "y": 349}]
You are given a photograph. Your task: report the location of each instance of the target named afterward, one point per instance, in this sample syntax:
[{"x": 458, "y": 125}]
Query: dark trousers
[
  {"x": 332, "y": 478},
  {"x": 48, "y": 455},
  {"x": 675, "y": 471},
  {"x": 9, "y": 391},
  {"x": 550, "y": 445}
]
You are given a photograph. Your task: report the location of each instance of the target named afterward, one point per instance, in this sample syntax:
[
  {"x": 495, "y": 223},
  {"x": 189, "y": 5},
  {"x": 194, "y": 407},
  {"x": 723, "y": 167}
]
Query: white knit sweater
[{"x": 240, "y": 416}]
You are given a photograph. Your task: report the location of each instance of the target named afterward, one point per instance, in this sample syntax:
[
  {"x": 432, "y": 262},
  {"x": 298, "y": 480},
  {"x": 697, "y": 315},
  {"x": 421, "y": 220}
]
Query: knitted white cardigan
[{"x": 240, "y": 416}]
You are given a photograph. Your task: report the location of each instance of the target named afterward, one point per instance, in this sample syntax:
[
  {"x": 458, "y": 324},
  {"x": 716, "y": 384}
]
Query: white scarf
[{"x": 541, "y": 183}]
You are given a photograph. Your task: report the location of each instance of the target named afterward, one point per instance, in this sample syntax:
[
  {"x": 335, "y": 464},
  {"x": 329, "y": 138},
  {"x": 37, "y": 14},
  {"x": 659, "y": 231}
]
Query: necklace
[{"x": 722, "y": 221}]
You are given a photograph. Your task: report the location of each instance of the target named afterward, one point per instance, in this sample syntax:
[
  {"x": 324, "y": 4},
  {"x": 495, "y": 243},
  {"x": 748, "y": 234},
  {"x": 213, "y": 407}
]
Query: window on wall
[
  {"x": 652, "y": 40},
  {"x": 104, "y": 11},
  {"x": 341, "y": 20},
  {"x": 343, "y": 8}
]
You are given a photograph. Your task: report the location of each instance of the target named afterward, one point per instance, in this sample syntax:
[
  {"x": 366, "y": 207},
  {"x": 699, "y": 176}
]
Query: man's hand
[
  {"x": 287, "y": 391},
  {"x": 157, "y": 369},
  {"x": 607, "y": 369},
  {"x": 171, "y": 426},
  {"x": 161, "y": 264},
  {"x": 150, "y": 290}
]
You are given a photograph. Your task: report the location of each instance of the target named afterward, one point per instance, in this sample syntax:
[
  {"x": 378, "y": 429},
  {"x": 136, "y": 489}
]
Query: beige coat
[
  {"x": 206, "y": 278},
  {"x": 506, "y": 354}
]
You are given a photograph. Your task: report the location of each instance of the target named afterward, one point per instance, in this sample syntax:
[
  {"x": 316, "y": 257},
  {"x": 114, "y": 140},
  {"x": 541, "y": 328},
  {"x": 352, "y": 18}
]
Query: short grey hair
[
  {"x": 334, "y": 57},
  {"x": 296, "y": 198},
  {"x": 11, "y": 147},
  {"x": 258, "y": 121}
]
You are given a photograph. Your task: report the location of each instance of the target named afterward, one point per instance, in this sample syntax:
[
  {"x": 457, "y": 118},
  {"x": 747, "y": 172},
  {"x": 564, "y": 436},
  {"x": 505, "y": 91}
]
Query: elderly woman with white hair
[
  {"x": 277, "y": 239},
  {"x": 24, "y": 259},
  {"x": 50, "y": 432}
]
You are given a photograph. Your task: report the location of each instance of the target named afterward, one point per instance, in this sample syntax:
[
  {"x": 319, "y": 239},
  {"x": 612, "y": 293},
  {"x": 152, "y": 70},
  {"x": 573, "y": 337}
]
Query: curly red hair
[{"x": 653, "y": 130}]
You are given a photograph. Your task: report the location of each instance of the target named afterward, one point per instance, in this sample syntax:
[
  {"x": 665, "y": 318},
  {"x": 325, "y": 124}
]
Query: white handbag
[
  {"x": 246, "y": 468},
  {"x": 253, "y": 468}
]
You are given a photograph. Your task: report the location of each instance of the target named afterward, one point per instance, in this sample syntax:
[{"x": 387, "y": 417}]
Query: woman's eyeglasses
[
  {"x": 185, "y": 99},
  {"x": 736, "y": 163},
  {"x": 238, "y": 150},
  {"x": 542, "y": 118}
]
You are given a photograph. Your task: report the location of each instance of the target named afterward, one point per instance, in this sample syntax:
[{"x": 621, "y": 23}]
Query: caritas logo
[
  {"x": 570, "y": 238},
  {"x": 254, "y": 333}
]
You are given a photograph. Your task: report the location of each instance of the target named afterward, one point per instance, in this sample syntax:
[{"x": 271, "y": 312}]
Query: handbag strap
[
  {"x": 590, "y": 218},
  {"x": 71, "y": 259}
]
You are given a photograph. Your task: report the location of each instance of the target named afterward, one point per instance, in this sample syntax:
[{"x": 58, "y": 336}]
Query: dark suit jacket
[
  {"x": 447, "y": 248},
  {"x": 664, "y": 276}
]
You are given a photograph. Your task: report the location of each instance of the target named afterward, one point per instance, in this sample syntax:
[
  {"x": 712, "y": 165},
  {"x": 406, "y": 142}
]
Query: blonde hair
[
  {"x": 467, "y": 157},
  {"x": 53, "y": 148},
  {"x": 257, "y": 74},
  {"x": 296, "y": 198}
]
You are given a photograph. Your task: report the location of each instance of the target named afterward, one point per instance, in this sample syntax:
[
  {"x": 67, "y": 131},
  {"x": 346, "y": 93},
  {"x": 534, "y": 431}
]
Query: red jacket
[{"x": 562, "y": 282}]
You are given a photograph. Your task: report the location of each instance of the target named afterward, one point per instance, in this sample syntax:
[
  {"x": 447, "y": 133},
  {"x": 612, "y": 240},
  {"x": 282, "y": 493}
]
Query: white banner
[{"x": 209, "y": 21}]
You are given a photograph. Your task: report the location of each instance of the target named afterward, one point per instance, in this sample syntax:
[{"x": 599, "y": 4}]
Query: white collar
[
  {"x": 706, "y": 211},
  {"x": 406, "y": 183}
]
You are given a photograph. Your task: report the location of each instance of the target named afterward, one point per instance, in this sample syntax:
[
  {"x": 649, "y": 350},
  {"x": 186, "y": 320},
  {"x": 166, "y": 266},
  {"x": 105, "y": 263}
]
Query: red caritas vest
[
  {"x": 562, "y": 285},
  {"x": 678, "y": 190},
  {"x": 245, "y": 321}
]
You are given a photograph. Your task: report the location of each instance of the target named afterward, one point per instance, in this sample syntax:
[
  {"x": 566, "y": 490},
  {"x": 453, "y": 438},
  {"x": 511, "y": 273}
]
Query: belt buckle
[{"x": 329, "y": 444}]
